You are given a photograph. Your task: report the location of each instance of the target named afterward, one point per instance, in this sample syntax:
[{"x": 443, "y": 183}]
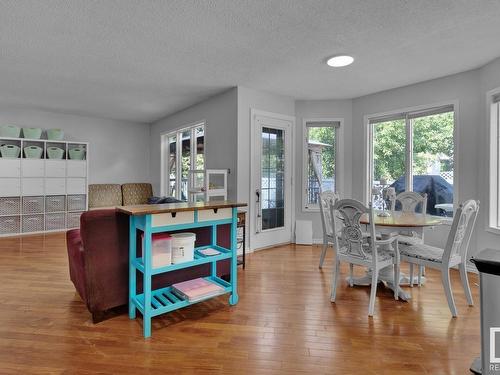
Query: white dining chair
[
  {"x": 454, "y": 253},
  {"x": 353, "y": 247},
  {"x": 410, "y": 201},
  {"x": 326, "y": 199}
]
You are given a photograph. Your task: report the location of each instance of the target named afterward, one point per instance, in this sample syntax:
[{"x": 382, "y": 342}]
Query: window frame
[
  {"x": 493, "y": 115},
  {"x": 408, "y": 114},
  {"x": 339, "y": 136},
  {"x": 165, "y": 175}
]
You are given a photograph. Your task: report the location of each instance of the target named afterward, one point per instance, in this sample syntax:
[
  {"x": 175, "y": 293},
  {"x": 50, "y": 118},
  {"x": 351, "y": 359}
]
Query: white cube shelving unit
[
  {"x": 42, "y": 195},
  {"x": 207, "y": 185}
]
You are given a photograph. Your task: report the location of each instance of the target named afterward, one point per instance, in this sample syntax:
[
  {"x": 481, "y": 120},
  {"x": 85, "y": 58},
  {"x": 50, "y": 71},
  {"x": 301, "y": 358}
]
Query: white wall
[
  {"x": 220, "y": 116},
  {"x": 490, "y": 79},
  {"x": 249, "y": 99},
  {"x": 252, "y": 99},
  {"x": 305, "y": 109},
  {"x": 464, "y": 88},
  {"x": 118, "y": 149}
]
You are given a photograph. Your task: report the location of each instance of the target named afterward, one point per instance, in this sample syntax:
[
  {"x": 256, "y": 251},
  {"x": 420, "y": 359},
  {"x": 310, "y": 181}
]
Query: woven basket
[{"x": 33, "y": 152}]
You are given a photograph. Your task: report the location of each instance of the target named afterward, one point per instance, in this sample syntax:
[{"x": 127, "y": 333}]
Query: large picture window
[
  {"x": 320, "y": 160},
  {"x": 414, "y": 151},
  {"x": 183, "y": 150}
]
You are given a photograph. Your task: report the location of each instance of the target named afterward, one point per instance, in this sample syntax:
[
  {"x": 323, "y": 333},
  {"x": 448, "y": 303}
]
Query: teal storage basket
[
  {"x": 33, "y": 152},
  {"x": 55, "y": 134},
  {"x": 32, "y": 133},
  {"x": 55, "y": 152},
  {"x": 10, "y": 151},
  {"x": 77, "y": 153},
  {"x": 11, "y": 131}
]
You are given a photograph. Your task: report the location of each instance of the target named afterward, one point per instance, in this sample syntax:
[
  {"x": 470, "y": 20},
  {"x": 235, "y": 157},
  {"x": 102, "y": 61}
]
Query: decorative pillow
[{"x": 159, "y": 200}]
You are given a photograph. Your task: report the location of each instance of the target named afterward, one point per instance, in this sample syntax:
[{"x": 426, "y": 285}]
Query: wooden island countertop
[{"x": 146, "y": 209}]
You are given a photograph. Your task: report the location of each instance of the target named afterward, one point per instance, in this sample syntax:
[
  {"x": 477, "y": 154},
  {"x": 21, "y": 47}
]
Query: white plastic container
[
  {"x": 161, "y": 250},
  {"x": 183, "y": 247}
]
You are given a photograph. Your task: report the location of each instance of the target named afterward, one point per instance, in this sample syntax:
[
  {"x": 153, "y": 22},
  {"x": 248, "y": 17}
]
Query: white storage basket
[
  {"x": 55, "y": 221},
  {"x": 10, "y": 225},
  {"x": 55, "y": 203},
  {"x": 33, "y": 223},
  {"x": 77, "y": 203},
  {"x": 33, "y": 205},
  {"x": 73, "y": 219},
  {"x": 10, "y": 206}
]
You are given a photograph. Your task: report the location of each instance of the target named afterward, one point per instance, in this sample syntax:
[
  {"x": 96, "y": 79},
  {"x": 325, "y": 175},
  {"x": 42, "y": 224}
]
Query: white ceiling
[{"x": 140, "y": 60}]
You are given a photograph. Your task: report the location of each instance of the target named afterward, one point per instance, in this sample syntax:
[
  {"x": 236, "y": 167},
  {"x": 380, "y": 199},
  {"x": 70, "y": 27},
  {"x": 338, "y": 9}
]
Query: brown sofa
[{"x": 98, "y": 260}]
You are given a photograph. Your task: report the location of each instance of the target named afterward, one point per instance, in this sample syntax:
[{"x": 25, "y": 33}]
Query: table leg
[
  {"x": 147, "y": 277},
  {"x": 244, "y": 243},
  {"x": 132, "y": 290},
  {"x": 213, "y": 266},
  {"x": 233, "y": 299},
  {"x": 385, "y": 275}
]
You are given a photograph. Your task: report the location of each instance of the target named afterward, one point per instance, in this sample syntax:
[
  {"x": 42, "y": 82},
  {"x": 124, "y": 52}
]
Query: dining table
[{"x": 398, "y": 222}]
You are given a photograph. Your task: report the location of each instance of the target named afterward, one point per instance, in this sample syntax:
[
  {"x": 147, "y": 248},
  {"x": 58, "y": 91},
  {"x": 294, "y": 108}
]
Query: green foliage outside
[
  {"x": 325, "y": 135},
  {"x": 432, "y": 140}
]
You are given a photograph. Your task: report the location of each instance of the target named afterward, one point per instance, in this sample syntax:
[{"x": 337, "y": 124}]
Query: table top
[
  {"x": 146, "y": 209},
  {"x": 403, "y": 219}
]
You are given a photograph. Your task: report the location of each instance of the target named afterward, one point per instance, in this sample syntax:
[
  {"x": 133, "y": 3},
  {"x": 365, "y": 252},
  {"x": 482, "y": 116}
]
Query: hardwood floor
[{"x": 283, "y": 324}]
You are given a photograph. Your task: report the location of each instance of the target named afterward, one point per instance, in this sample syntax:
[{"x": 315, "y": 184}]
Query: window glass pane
[
  {"x": 389, "y": 145},
  {"x": 321, "y": 162},
  {"x": 272, "y": 178},
  {"x": 200, "y": 148},
  {"x": 433, "y": 161},
  {"x": 188, "y": 153},
  {"x": 185, "y": 163},
  {"x": 172, "y": 158}
]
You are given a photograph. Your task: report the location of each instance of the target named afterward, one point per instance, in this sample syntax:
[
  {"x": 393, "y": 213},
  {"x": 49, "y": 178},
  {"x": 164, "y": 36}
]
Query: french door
[{"x": 271, "y": 210}]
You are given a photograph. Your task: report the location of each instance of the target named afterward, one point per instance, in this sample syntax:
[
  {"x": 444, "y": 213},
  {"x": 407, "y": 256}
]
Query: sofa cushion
[
  {"x": 137, "y": 193},
  {"x": 105, "y": 195}
]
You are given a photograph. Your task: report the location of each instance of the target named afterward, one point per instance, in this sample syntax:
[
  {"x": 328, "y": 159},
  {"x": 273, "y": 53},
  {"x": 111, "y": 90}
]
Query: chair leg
[
  {"x": 351, "y": 271},
  {"x": 411, "y": 275},
  {"x": 373, "y": 292},
  {"x": 323, "y": 252},
  {"x": 396, "y": 281},
  {"x": 465, "y": 283},
  {"x": 445, "y": 276},
  {"x": 420, "y": 274},
  {"x": 335, "y": 280}
]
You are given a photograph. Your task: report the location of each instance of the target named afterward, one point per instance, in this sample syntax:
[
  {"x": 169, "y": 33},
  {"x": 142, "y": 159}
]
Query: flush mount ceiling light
[{"x": 339, "y": 61}]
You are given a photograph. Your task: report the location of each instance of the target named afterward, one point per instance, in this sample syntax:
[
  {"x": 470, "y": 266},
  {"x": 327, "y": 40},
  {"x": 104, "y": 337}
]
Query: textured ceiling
[{"x": 140, "y": 60}]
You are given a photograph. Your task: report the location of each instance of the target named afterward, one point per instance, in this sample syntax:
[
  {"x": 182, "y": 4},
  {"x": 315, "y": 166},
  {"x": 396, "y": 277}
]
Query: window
[
  {"x": 494, "y": 100},
  {"x": 320, "y": 160},
  {"x": 183, "y": 150},
  {"x": 272, "y": 175},
  {"x": 414, "y": 151}
]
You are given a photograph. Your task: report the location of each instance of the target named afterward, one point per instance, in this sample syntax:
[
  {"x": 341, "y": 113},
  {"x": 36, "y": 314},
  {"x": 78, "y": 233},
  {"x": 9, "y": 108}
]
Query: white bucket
[
  {"x": 161, "y": 250},
  {"x": 183, "y": 247}
]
